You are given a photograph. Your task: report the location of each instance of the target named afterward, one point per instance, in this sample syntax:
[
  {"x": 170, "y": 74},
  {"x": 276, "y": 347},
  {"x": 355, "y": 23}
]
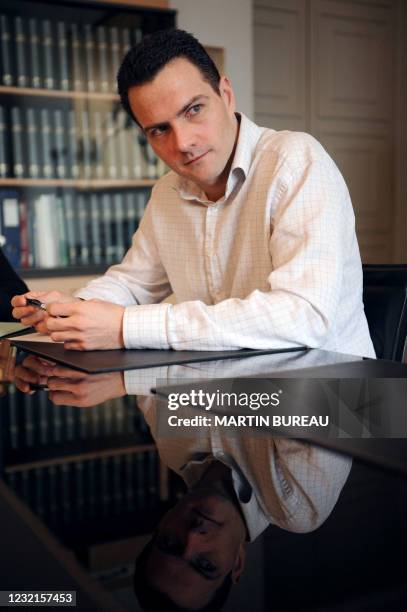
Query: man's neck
[{"x": 218, "y": 191}]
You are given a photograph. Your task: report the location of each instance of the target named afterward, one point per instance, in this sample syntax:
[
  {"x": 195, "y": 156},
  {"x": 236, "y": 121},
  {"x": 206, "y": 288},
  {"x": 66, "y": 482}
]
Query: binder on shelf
[
  {"x": 111, "y": 148},
  {"x": 46, "y": 144},
  {"x": 115, "y": 56},
  {"x": 82, "y": 218},
  {"x": 33, "y": 148},
  {"x": 6, "y": 66},
  {"x": 63, "y": 56},
  {"x": 86, "y": 147},
  {"x": 62, "y": 244},
  {"x": 34, "y": 54},
  {"x": 102, "y": 63},
  {"x": 25, "y": 247},
  {"x": 119, "y": 222},
  {"x": 73, "y": 150},
  {"x": 77, "y": 61},
  {"x": 123, "y": 145},
  {"x": 46, "y": 238},
  {"x": 70, "y": 228},
  {"x": 108, "y": 244},
  {"x": 90, "y": 59},
  {"x": 47, "y": 41},
  {"x": 10, "y": 226},
  {"x": 21, "y": 51},
  {"x": 17, "y": 137},
  {"x": 95, "y": 217},
  {"x": 99, "y": 169},
  {"x": 3, "y": 149},
  {"x": 60, "y": 149}
]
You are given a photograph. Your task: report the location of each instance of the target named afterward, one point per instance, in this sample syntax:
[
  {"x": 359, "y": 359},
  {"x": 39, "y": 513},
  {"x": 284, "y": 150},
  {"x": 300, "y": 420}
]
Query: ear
[
  {"x": 227, "y": 94},
  {"x": 239, "y": 564}
]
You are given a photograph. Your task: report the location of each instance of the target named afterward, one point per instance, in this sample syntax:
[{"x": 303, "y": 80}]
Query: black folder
[{"x": 131, "y": 359}]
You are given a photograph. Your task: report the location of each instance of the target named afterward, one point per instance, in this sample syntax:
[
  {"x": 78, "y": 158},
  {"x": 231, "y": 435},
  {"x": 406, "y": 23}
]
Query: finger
[
  {"x": 32, "y": 316},
  {"x": 64, "y": 336},
  {"x": 60, "y": 384},
  {"x": 63, "y": 309},
  {"x": 23, "y": 386},
  {"x": 61, "y": 398},
  {"x": 74, "y": 345},
  {"x": 61, "y": 372},
  {"x": 41, "y": 367}
]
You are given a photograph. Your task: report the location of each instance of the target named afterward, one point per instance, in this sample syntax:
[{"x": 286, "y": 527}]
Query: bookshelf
[
  {"x": 75, "y": 171},
  {"x": 92, "y": 475}
]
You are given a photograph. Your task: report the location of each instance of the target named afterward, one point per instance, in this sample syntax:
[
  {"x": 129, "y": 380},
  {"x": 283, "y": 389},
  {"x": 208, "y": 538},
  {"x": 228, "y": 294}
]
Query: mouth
[{"x": 196, "y": 159}]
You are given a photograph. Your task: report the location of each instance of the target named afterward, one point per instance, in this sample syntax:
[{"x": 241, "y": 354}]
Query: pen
[{"x": 36, "y": 303}]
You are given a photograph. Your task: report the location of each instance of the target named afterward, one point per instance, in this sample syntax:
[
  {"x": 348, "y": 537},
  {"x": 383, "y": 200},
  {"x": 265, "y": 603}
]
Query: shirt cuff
[{"x": 146, "y": 326}]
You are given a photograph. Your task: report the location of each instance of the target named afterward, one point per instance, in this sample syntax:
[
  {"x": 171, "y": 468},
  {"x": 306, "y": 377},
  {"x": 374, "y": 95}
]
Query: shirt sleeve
[
  {"x": 312, "y": 230},
  {"x": 140, "y": 278}
]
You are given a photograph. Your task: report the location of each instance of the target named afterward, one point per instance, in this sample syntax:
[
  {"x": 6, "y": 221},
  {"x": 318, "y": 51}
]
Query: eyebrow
[
  {"x": 190, "y": 563},
  {"x": 179, "y": 113}
]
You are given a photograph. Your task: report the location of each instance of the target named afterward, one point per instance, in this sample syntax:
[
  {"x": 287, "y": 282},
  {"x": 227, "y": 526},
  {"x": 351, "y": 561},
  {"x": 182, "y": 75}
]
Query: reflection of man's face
[{"x": 197, "y": 544}]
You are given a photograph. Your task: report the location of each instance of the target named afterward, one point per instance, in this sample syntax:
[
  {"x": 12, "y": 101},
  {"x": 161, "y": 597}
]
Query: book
[
  {"x": 82, "y": 219},
  {"x": 118, "y": 215},
  {"x": 60, "y": 148},
  {"x": 33, "y": 148},
  {"x": 110, "y": 148},
  {"x": 46, "y": 239},
  {"x": 99, "y": 169},
  {"x": 103, "y": 81},
  {"x": 17, "y": 139},
  {"x": 63, "y": 254},
  {"x": 48, "y": 51},
  {"x": 25, "y": 246},
  {"x": 21, "y": 51},
  {"x": 95, "y": 216},
  {"x": 10, "y": 226},
  {"x": 46, "y": 144},
  {"x": 73, "y": 150},
  {"x": 34, "y": 42},
  {"x": 123, "y": 145},
  {"x": 77, "y": 61},
  {"x": 86, "y": 147},
  {"x": 90, "y": 59},
  {"x": 3, "y": 150},
  {"x": 114, "y": 56},
  {"x": 70, "y": 229},
  {"x": 5, "y": 37},
  {"x": 63, "y": 56}
]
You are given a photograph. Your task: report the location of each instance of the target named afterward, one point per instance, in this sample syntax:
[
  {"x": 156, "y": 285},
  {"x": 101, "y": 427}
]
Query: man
[{"x": 253, "y": 230}]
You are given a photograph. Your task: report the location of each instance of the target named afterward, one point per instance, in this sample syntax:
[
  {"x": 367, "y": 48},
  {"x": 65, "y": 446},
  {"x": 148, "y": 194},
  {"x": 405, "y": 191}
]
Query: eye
[
  {"x": 194, "y": 110},
  {"x": 159, "y": 130},
  {"x": 205, "y": 565}
]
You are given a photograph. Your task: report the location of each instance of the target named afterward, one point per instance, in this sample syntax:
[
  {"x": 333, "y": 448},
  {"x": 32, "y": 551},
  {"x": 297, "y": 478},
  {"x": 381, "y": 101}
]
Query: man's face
[
  {"x": 197, "y": 544},
  {"x": 190, "y": 127}
]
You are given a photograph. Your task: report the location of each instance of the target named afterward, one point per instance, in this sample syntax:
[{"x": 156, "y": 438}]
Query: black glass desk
[{"x": 82, "y": 486}]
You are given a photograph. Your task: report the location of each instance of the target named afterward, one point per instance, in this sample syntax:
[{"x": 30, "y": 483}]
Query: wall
[{"x": 227, "y": 24}]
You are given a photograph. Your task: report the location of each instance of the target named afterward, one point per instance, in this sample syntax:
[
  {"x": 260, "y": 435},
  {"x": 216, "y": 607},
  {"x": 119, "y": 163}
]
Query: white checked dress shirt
[{"x": 274, "y": 263}]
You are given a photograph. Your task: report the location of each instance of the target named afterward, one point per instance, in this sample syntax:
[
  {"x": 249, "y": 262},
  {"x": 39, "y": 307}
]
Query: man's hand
[
  {"x": 86, "y": 325},
  {"x": 72, "y": 388},
  {"x": 36, "y": 317}
]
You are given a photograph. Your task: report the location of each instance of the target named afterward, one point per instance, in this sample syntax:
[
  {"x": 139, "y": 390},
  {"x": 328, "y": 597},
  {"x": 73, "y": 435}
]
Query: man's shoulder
[
  {"x": 167, "y": 183},
  {"x": 286, "y": 144}
]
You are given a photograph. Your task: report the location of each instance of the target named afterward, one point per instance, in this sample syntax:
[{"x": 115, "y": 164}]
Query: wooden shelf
[
  {"x": 58, "y": 93},
  {"x": 78, "y": 184}
]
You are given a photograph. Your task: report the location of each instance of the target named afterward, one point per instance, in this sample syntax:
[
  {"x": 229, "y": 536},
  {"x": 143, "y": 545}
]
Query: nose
[{"x": 184, "y": 138}]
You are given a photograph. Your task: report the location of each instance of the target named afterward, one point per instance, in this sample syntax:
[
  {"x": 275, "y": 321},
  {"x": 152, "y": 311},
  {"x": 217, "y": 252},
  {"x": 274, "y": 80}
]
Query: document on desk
[
  {"x": 12, "y": 328},
  {"x": 37, "y": 337},
  {"x": 129, "y": 359}
]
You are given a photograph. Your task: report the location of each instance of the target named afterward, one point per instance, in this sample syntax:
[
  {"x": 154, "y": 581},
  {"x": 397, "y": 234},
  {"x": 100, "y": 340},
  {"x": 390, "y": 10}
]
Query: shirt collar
[{"x": 249, "y": 134}]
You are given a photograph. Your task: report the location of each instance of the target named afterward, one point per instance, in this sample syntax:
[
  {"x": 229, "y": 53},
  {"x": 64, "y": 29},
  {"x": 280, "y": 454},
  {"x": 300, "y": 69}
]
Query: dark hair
[
  {"x": 143, "y": 61},
  {"x": 151, "y": 599}
]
